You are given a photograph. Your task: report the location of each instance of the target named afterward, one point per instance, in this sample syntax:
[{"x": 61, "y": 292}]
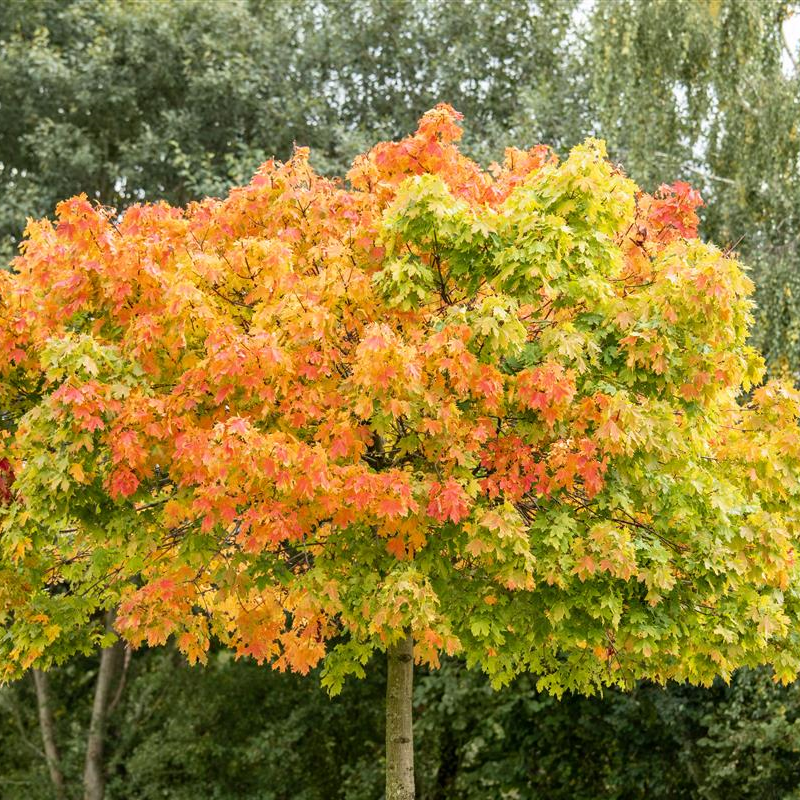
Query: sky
[{"x": 791, "y": 32}]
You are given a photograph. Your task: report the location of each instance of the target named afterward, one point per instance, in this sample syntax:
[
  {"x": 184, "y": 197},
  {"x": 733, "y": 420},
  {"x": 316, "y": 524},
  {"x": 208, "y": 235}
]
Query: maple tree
[{"x": 435, "y": 410}]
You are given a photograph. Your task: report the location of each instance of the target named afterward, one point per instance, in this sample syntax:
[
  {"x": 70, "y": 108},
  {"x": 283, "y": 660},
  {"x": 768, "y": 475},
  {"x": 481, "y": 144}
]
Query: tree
[
  {"x": 155, "y": 104},
  {"x": 441, "y": 410}
]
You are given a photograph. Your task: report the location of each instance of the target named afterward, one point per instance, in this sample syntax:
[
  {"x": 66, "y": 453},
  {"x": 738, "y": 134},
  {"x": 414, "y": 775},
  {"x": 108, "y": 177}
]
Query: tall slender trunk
[
  {"x": 48, "y": 729},
  {"x": 399, "y": 726},
  {"x": 94, "y": 780}
]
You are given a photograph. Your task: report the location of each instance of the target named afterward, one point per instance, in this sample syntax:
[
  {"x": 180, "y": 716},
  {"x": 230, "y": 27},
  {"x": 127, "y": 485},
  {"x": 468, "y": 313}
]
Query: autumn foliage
[{"x": 505, "y": 409}]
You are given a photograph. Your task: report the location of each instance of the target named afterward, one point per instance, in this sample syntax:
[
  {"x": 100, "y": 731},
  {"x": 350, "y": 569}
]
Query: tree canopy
[{"x": 499, "y": 409}]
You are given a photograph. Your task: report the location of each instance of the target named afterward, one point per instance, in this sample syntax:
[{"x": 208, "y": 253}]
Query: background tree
[
  {"x": 127, "y": 100},
  {"x": 740, "y": 740}
]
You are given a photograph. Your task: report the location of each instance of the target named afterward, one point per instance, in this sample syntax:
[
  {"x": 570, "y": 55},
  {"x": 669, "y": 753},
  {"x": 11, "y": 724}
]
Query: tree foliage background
[{"x": 138, "y": 99}]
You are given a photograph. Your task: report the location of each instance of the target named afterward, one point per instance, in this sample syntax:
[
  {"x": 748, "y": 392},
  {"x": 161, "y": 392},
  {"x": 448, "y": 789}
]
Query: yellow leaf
[{"x": 76, "y": 470}]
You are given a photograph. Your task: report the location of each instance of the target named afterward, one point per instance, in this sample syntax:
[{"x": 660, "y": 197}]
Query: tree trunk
[
  {"x": 94, "y": 782},
  {"x": 399, "y": 731},
  {"x": 48, "y": 729}
]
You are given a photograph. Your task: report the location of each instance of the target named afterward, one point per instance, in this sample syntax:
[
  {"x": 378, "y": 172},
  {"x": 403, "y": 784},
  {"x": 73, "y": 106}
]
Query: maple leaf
[
  {"x": 6, "y": 480},
  {"x": 123, "y": 483},
  {"x": 391, "y": 507},
  {"x": 448, "y": 501}
]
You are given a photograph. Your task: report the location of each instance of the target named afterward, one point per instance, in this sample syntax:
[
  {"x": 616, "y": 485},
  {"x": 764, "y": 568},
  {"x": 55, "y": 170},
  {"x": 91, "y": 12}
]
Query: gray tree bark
[
  {"x": 399, "y": 725},
  {"x": 48, "y": 730},
  {"x": 94, "y": 779}
]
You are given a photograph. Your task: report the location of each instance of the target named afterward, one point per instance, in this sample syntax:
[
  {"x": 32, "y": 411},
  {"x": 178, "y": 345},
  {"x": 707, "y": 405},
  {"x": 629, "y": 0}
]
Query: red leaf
[{"x": 448, "y": 501}]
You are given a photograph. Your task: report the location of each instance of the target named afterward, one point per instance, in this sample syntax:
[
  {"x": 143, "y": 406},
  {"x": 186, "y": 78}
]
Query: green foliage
[{"x": 245, "y": 733}]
